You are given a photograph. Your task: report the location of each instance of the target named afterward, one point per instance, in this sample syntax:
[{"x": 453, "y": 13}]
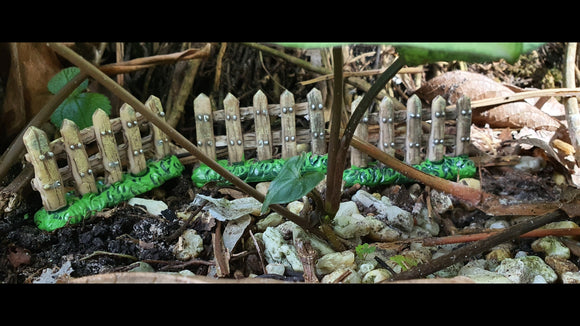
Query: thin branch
[
  {"x": 292, "y": 59},
  {"x": 346, "y": 74},
  {"x": 462, "y": 238},
  {"x": 466, "y": 252}
]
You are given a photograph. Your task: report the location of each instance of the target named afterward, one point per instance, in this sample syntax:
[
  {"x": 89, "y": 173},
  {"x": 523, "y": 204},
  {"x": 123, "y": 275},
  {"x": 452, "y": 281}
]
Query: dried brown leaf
[
  {"x": 32, "y": 66},
  {"x": 457, "y": 83}
]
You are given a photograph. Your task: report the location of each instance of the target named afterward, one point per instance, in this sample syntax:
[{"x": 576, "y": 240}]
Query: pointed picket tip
[
  {"x": 36, "y": 138},
  {"x": 286, "y": 93},
  {"x": 153, "y": 98},
  {"x": 201, "y": 97},
  {"x": 99, "y": 114},
  {"x": 438, "y": 100},
  {"x": 314, "y": 92},
  {"x": 69, "y": 124},
  {"x": 259, "y": 96},
  {"x": 230, "y": 99},
  {"x": 259, "y": 99}
]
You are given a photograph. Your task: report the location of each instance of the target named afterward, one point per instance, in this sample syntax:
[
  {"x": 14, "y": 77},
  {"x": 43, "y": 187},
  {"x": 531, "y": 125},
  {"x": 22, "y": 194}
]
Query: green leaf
[
  {"x": 423, "y": 52},
  {"x": 290, "y": 184},
  {"x": 78, "y": 106},
  {"x": 63, "y": 77},
  {"x": 405, "y": 262},
  {"x": 362, "y": 250},
  {"x": 420, "y": 53},
  {"x": 80, "y": 109}
]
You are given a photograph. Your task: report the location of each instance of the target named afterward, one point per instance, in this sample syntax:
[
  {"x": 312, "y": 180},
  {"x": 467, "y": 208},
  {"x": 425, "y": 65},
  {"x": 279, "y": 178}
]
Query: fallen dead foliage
[{"x": 457, "y": 83}]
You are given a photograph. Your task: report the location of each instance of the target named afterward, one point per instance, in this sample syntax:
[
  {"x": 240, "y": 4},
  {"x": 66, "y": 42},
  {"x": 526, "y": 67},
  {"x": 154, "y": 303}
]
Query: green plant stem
[{"x": 128, "y": 98}]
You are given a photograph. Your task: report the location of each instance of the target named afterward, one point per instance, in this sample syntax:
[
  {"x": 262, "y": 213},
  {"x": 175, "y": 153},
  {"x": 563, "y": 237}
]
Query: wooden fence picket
[
  {"x": 318, "y": 143},
  {"x": 135, "y": 152},
  {"x": 160, "y": 140},
  {"x": 204, "y": 125},
  {"x": 288, "y": 120},
  {"x": 414, "y": 131},
  {"x": 435, "y": 147},
  {"x": 234, "y": 129},
  {"x": 107, "y": 147},
  {"x": 386, "y": 142},
  {"x": 463, "y": 133},
  {"x": 262, "y": 126},
  {"x": 78, "y": 159},
  {"x": 47, "y": 181}
]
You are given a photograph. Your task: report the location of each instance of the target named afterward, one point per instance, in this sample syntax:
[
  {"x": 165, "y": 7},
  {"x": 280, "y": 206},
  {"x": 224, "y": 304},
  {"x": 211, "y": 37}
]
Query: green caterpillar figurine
[
  {"x": 130, "y": 186},
  {"x": 258, "y": 171}
]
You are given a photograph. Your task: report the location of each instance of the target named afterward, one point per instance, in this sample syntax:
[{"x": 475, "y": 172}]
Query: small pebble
[
  {"x": 440, "y": 201},
  {"x": 530, "y": 164},
  {"x": 295, "y": 207},
  {"x": 272, "y": 220},
  {"x": 376, "y": 276},
  {"x": 353, "y": 276},
  {"x": 189, "y": 245},
  {"x": 275, "y": 268},
  {"x": 560, "y": 265},
  {"x": 331, "y": 262},
  {"x": 551, "y": 246},
  {"x": 276, "y": 250},
  {"x": 525, "y": 269},
  {"x": 571, "y": 278}
]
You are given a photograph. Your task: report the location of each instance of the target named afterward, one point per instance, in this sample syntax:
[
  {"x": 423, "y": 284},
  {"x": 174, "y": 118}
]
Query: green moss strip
[{"x": 80, "y": 208}]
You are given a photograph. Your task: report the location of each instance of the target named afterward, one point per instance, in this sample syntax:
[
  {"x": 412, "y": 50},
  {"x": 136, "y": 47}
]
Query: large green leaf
[
  {"x": 63, "y": 77},
  {"x": 80, "y": 109},
  {"x": 78, "y": 106},
  {"x": 420, "y": 53},
  {"x": 291, "y": 184},
  {"x": 416, "y": 53}
]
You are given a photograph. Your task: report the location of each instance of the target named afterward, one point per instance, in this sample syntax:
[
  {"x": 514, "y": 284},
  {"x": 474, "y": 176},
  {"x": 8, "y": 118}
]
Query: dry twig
[{"x": 478, "y": 247}]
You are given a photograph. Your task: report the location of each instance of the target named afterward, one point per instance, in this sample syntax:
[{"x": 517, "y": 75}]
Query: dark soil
[{"x": 129, "y": 232}]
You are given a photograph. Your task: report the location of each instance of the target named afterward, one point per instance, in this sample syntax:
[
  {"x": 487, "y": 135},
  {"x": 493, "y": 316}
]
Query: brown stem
[
  {"x": 338, "y": 147},
  {"x": 335, "y": 156},
  {"x": 465, "y": 193},
  {"x": 461, "y": 238},
  {"x": 128, "y": 98}
]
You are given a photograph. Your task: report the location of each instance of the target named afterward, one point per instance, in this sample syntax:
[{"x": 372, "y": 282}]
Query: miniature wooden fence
[
  {"x": 434, "y": 143},
  {"x": 49, "y": 179}
]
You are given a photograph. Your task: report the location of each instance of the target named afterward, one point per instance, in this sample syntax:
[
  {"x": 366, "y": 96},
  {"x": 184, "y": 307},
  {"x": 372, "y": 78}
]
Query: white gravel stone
[
  {"x": 525, "y": 269},
  {"x": 551, "y": 246},
  {"x": 392, "y": 215},
  {"x": 331, "y": 262},
  {"x": 189, "y": 245},
  {"x": 276, "y": 250}
]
